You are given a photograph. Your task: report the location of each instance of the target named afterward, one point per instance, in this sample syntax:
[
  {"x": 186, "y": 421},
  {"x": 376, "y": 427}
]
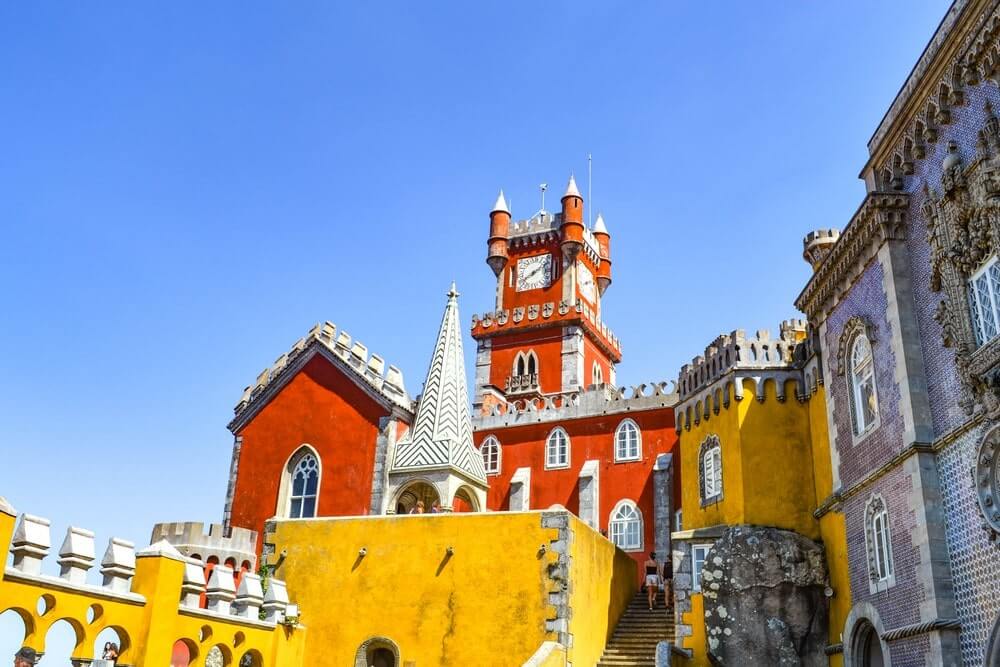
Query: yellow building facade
[{"x": 754, "y": 452}]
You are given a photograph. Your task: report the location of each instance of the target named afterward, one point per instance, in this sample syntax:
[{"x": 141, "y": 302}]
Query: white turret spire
[
  {"x": 571, "y": 189},
  {"x": 599, "y": 227},
  {"x": 501, "y": 204}
]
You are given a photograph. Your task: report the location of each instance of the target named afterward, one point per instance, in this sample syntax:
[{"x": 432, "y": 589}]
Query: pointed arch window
[
  {"x": 597, "y": 374},
  {"x": 298, "y": 496},
  {"x": 557, "y": 449},
  {"x": 490, "y": 449},
  {"x": 710, "y": 470},
  {"x": 628, "y": 441},
  {"x": 881, "y": 570},
  {"x": 625, "y": 526},
  {"x": 864, "y": 398}
]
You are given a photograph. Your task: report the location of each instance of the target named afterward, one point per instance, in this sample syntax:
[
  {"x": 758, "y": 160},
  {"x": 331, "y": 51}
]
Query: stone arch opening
[
  {"x": 417, "y": 495},
  {"x": 464, "y": 501},
  {"x": 16, "y": 625},
  {"x": 377, "y": 652},
  {"x": 992, "y": 657},
  {"x": 251, "y": 658},
  {"x": 183, "y": 653},
  {"x": 866, "y": 646},
  {"x": 111, "y": 637}
]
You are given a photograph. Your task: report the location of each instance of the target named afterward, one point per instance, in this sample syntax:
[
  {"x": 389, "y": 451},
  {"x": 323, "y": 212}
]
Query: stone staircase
[{"x": 633, "y": 643}]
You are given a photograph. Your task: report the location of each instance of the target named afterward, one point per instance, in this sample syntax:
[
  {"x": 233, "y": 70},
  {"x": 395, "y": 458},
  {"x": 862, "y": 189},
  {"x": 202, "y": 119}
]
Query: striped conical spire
[{"x": 441, "y": 436}]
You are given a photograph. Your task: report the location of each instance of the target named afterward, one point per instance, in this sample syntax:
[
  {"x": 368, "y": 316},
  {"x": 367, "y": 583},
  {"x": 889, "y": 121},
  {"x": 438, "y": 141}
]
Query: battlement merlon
[
  {"x": 190, "y": 539},
  {"x": 529, "y": 317},
  {"x": 737, "y": 351},
  {"x": 369, "y": 371},
  {"x": 596, "y": 400}
]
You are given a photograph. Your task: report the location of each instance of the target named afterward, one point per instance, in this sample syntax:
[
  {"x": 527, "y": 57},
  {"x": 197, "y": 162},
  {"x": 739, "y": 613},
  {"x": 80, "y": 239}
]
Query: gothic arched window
[
  {"x": 557, "y": 449},
  {"x": 710, "y": 469},
  {"x": 628, "y": 441},
  {"x": 300, "y": 486},
  {"x": 984, "y": 301},
  {"x": 490, "y": 449},
  {"x": 597, "y": 374},
  {"x": 881, "y": 572},
  {"x": 861, "y": 376},
  {"x": 625, "y": 527}
]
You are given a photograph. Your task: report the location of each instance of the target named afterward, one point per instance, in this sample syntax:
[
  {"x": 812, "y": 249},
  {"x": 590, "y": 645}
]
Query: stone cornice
[{"x": 881, "y": 217}]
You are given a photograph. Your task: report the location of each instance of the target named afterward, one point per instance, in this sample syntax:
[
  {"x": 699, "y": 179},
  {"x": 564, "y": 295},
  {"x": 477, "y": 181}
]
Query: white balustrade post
[
  {"x": 76, "y": 556},
  {"x": 30, "y": 544},
  {"x": 249, "y": 596},
  {"x": 275, "y": 601},
  {"x": 118, "y": 565},
  {"x": 193, "y": 584},
  {"x": 221, "y": 589}
]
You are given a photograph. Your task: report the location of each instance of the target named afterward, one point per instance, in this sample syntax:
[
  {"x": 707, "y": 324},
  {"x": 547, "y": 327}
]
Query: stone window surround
[
  {"x": 285, "y": 485},
  {"x": 695, "y": 574},
  {"x": 857, "y": 326},
  {"x": 625, "y": 502},
  {"x": 994, "y": 297},
  {"x": 638, "y": 435},
  {"x": 876, "y": 505},
  {"x": 709, "y": 443},
  {"x": 549, "y": 443},
  {"x": 492, "y": 440}
]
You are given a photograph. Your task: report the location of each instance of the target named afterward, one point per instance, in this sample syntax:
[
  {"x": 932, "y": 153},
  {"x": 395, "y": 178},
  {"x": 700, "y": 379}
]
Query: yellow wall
[
  {"x": 597, "y": 599},
  {"x": 776, "y": 470},
  {"x": 150, "y": 626},
  {"x": 485, "y": 605},
  {"x": 696, "y": 641}
]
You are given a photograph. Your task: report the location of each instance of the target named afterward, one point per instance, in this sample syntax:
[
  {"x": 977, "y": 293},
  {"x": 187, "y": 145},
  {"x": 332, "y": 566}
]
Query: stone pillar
[
  {"x": 520, "y": 490},
  {"x": 275, "y": 601},
  {"x": 193, "y": 585},
  {"x": 221, "y": 589},
  {"x": 76, "y": 556},
  {"x": 663, "y": 503},
  {"x": 30, "y": 544},
  {"x": 249, "y": 597},
  {"x": 234, "y": 469},
  {"x": 118, "y": 565},
  {"x": 589, "y": 483},
  {"x": 572, "y": 359},
  {"x": 380, "y": 476}
]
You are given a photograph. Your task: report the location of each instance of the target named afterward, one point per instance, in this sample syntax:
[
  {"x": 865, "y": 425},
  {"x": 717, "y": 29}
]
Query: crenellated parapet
[
  {"x": 707, "y": 383},
  {"x": 150, "y": 597},
  {"x": 596, "y": 400},
  {"x": 238, "y": 545},
  {"x": 500, "y": 321},
  {"x": 368, "y": 369},
  {"x": 544, "y": 227}
]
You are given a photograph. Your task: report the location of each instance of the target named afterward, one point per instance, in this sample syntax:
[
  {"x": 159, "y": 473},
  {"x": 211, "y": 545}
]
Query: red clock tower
[{"x": 546, "y": 336}]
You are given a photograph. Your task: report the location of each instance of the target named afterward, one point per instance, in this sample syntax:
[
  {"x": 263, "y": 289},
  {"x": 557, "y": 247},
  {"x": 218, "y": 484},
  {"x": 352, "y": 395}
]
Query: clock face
[
  {"x": 586, "y": 281},
  {"x": 534, "y": 272}
]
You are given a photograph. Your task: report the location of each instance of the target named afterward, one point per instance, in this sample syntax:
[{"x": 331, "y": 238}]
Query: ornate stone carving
[
  {"x": 987, "y": 474},
  {"x": 963, "y": 231},
  {"x": 851, "y": 329}
]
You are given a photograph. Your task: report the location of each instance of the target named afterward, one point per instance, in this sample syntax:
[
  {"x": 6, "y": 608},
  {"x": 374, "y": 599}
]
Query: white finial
[
  {"x": 501, "y": 204},
  {"x": 571, "y": 189},
  {"x": 453, "y": 292},
  {"x": 599, "y": 227}
]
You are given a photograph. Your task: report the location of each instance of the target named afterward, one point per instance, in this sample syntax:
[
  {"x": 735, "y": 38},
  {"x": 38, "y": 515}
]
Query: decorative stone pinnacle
[
  {"x": 501, "y": 204},
  {"x": 599, "y": 226},
  {"x": 571, "y": 189}
]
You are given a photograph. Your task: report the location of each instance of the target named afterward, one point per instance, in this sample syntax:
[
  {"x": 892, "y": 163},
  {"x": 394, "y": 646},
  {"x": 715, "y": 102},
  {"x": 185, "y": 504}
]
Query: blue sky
[{"x": 185, "y": 188}]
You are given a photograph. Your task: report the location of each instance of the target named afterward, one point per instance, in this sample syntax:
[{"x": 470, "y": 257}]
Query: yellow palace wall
[
  {"x": 488, "y": 603},
  {"x": 776, "y": 470}
]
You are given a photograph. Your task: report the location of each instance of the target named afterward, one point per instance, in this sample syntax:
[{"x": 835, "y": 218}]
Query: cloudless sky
[{"x": 185, "y": 188}]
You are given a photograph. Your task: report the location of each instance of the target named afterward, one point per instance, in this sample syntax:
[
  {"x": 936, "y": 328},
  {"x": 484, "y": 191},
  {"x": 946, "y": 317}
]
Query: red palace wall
[
  {"x": 547, "y": 345},
  {"x": 321, "y": 407},
  {"x": 590, "y": 438}
]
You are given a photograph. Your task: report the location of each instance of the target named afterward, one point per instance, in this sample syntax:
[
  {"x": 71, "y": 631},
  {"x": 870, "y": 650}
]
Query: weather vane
[{"x": 543, "y": 187}]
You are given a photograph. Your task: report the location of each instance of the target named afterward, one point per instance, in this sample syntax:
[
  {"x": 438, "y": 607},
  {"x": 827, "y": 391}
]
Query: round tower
[
  {"x": 817, "y": 245},
  {"x": 604, "y": 246},
  {"x": 572, "y": 220},
  {"x": 498, "y": 242}
]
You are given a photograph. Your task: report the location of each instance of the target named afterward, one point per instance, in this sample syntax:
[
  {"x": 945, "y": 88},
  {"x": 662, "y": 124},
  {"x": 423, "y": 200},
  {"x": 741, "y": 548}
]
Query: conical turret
[
  {"x": 603, "y": 239},
  {"x": 572, "y": 220},
  {"x": 496, "y": 255}
]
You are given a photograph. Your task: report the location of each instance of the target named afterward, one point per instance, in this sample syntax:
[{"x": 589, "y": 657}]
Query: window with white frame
[
  {"x": 625, "y": 526},
  {"x": 597, "y": 374},
  {"x": 879, "y": 543},
  {"x": 678, "y": 520},
  {"x": 984, "y": 301},
  {"x": 864, "y": 399},
  {"x": 557, "y": 449},
  {"x": 490, "y": 449},
  {"x": 699, "y": 553},
  {"x": 710, "y": 465},
  {"x": 628, "y": 441},
  {"x": 304, "y": 487}
]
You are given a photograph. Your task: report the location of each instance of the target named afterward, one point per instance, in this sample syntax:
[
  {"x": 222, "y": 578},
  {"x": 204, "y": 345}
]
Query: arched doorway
[
  {"x": 415, "y": 493},
  {"x": 866, "y": 647},
  {"x": 377, "y": 652},
  {"x": 464, "y": 501},
  {"x": 992, "y": 658}
]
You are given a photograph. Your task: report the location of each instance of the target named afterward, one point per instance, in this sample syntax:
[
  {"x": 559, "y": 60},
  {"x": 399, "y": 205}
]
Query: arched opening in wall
[
  {"x": 183, "y": 653},
  {"x": 251, "y": 659},
  {"x": 464, "y": 501},
  {"x": 111, "y": 644},
  {"x": 15, "y": 624},
  {"x": 377, "y": 652},
  {"x": 866, "y": 647},
  {"x": 218, "y": 656},
  {"x": 63, "y": 641},
  {"x": 415, "y": 497}
]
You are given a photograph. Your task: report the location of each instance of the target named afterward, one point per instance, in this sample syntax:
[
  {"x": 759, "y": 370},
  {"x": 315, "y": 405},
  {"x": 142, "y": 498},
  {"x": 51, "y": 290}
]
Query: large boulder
[{"x": 765, "y": 603}]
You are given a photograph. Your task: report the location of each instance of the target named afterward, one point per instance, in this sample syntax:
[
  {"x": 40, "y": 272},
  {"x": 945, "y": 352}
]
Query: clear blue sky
[{"x": 185, "y": 188}]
